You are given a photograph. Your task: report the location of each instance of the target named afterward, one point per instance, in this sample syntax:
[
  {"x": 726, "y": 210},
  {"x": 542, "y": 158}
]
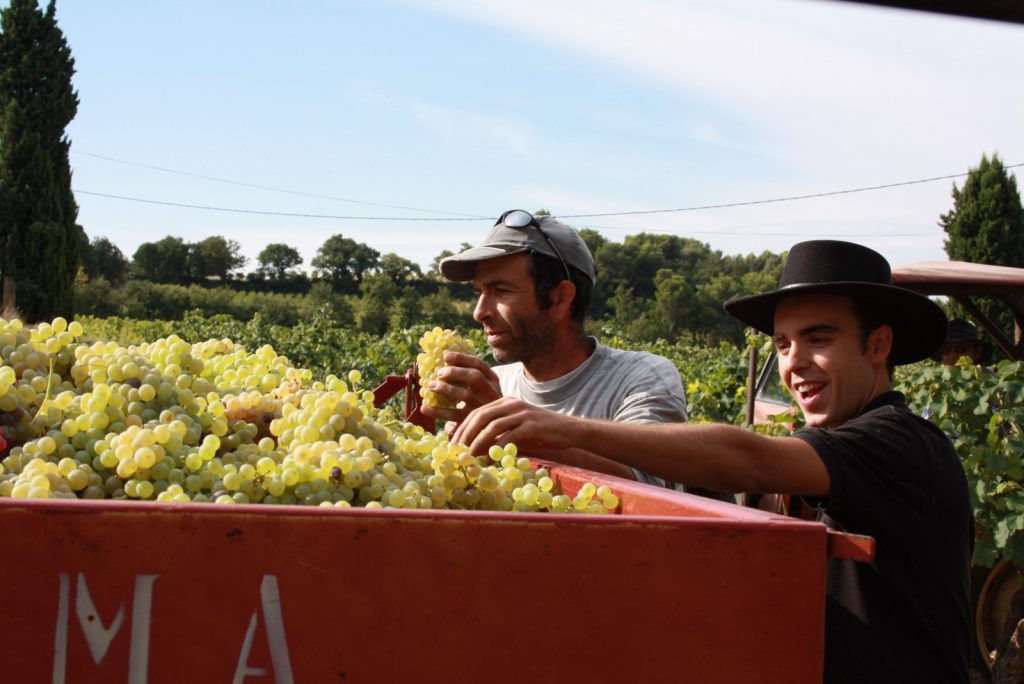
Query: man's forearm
[
  {"x": 721, "y": 457},
  {"x": 580, "y": 458}
]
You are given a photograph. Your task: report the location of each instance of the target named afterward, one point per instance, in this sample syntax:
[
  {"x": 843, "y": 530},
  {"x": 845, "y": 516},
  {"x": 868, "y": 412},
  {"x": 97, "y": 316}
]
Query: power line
[
  {"x": 277, "y": 213},
  {"x": 264, "y": 187},
  {"x": 752, "y": 234},
  {"x": 407, "y": 218},
  {"x": 465, "y": 217},
  {"x": 777, "y": 199}
]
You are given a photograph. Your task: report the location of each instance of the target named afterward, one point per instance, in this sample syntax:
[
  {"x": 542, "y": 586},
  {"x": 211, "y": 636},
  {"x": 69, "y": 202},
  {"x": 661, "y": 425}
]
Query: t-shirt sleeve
[
  {"x": 655, "y": 394},
  {"x": 877, "y": 470}
]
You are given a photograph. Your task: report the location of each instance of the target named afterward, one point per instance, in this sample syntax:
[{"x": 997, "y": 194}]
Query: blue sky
[{"x": 442, "y": 109}]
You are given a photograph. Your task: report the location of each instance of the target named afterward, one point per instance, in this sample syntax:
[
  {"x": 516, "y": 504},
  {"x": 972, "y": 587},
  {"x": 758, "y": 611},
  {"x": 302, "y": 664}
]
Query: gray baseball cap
[{"x": 542, "y": 234}]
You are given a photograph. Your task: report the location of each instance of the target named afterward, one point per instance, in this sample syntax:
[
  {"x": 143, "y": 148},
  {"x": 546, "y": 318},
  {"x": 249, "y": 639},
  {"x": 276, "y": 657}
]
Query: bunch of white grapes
[
  {"x": 172, "y": 421},
  {"x": 435, "y": 343}
]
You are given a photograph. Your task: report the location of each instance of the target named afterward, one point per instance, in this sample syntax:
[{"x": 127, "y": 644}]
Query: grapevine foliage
[
  {"x": 982, "y": 411},
  {"x": 714, "y": 377}
]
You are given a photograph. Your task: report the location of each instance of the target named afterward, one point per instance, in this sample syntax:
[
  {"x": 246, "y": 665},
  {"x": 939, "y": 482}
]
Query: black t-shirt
[{"x": 906, "y": 616}]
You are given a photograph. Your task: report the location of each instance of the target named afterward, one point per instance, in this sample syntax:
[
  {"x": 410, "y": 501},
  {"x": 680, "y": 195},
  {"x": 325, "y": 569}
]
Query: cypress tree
[
  {"x": 39, "y": 239},
  {"x": 986, "y": 224}
]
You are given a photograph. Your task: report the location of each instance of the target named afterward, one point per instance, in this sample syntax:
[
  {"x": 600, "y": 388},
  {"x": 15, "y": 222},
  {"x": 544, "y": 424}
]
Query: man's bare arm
[
  {"x": 580, "y": 458},
  {"x": 717, "y": 456}
]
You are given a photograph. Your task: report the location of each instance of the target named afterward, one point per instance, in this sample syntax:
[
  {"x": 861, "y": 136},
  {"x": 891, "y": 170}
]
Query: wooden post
[
  {"x": 751, "y": 384},
  {"x": 9, "y": 299}
]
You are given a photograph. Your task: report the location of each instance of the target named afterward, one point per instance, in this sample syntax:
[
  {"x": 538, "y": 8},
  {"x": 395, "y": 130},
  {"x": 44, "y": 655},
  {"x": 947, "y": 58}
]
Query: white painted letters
[
  {"x": 99, "y": 637},
  {"x": 270, "y": 600}
]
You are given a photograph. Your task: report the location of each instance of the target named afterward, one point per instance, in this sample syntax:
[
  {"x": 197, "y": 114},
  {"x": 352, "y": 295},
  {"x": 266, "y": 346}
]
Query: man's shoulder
[
  {"x": 639, "y": 372},
  {"x": 887, "y": 424},
  {"x": 640, "y": 358},
  {"x": 891, "y": 409}
]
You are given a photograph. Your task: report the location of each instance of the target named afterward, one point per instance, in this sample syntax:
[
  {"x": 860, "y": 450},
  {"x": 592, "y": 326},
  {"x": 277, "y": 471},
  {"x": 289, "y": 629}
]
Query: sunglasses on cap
[{"x": 519, "y": 219}]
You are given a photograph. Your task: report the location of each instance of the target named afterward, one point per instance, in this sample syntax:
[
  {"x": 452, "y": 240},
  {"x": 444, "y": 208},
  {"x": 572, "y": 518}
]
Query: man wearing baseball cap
[
  {"x": 865, "y": 462},
  {"x": 535, "y": 279}
]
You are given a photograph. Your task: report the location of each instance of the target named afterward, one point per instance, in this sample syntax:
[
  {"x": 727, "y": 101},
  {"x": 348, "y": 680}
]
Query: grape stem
[{"x": 49, "y": 387}]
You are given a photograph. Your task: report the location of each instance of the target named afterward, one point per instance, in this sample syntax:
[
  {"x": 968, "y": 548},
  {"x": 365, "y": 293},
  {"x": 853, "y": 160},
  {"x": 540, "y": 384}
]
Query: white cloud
[{"x": 819, "y": 79}]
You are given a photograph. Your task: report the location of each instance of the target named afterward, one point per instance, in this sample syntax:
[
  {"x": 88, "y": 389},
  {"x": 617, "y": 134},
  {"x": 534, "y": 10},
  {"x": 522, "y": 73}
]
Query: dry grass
[{"x": 9, "y": 313}]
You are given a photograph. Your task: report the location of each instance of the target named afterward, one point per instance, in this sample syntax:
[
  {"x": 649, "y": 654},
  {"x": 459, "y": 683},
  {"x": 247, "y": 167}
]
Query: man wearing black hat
[
  {"x": 864, "y": 461},
  {"x": 962, "y": 340},
  {"x": 535, "y": 278}
]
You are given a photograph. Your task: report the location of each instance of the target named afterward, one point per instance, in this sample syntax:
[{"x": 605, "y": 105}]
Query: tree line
[
  {"x": 649, "y": 286},
  {"x": 340, "y": 261}
]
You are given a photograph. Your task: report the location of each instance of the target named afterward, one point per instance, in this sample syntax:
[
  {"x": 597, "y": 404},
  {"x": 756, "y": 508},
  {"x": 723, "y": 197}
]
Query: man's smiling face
[{"x": 823, "y": 360}]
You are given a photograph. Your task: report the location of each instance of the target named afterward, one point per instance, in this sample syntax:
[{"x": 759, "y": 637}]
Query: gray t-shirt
[{"x": 613, "y": 384}]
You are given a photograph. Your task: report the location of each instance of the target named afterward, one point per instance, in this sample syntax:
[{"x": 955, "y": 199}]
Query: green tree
[
  {"x": 164, "y": 261},
  {"x": 346, "y": 262},
  {"x": 39, "y": 239},
  {"x": 739, "y": 275},
  {"x": 635, "y": 262},
  {"x": 399, "y": 269},
  {"x": 435, "y": 265},
  {"x": 337, "y": 307},
  {"x": 97, "y": 298},
  {"x": 593, "y": 239},
  {"x": 277, "y": 259},
  {"x": 404, "y": 310},
  {"x": 676, "y": 300},
  {"x": 214, "y": 256},
  {"x": 438, "y": 308},
  {"x": 375, "y": 306},
  {"x": 634, "y": 317},
  {"x": 101, "y": 258},
  {"x": 986, "y": 226}
]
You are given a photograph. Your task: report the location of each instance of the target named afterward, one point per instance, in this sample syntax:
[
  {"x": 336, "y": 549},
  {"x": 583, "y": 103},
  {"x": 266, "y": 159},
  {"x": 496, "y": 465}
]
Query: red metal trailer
[{"x": 672, "y": 588}]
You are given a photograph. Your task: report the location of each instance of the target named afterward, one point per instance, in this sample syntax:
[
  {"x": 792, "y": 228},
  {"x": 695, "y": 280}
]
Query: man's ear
[
  {"x": 562, "y": 296},
  {"x": 880, "y": 343}
]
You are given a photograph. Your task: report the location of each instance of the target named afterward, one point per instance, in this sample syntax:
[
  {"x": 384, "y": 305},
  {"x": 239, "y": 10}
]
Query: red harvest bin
[{"x": 674, "y": 588}]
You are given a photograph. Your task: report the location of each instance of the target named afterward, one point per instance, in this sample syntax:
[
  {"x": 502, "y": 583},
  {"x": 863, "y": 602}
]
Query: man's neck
[{"x": 564, "y": 356}]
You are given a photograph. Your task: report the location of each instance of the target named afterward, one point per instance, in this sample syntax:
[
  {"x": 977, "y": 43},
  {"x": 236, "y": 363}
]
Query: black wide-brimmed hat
[
  {"x": 960, "y": 330},
  {"x": 835, "y": 267}
]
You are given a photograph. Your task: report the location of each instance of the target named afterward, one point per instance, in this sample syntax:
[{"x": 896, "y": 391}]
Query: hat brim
[
  {"x": 984, "y": 345},
  {"x": 462, "y": 266},
  {"x": 918, "y": 323}
]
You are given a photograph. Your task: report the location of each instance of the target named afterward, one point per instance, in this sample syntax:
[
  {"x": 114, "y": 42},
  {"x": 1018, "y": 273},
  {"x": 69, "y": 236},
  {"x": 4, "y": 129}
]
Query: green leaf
[
  {"x": 985, "y": 553},
  {"x": 1001, "y": 533}
]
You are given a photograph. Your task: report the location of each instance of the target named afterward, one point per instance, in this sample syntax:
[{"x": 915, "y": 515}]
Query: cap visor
[{"x": 460, "y": 268}]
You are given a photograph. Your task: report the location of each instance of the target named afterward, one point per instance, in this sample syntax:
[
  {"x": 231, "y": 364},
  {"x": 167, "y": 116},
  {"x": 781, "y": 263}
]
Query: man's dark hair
[
  {"x": 870, "y": 319},
  {"x": 548, "y": 272}
]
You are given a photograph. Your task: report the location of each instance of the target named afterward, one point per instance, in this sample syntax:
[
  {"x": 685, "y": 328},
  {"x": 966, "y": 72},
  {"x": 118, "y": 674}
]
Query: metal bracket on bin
[
  {"x": 855, "y": 547},
  {"x": 410, "y": 382}
]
